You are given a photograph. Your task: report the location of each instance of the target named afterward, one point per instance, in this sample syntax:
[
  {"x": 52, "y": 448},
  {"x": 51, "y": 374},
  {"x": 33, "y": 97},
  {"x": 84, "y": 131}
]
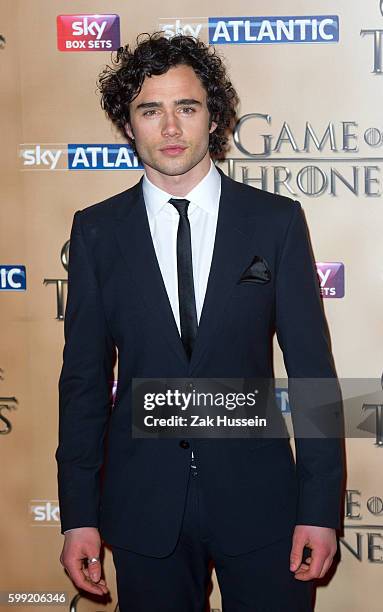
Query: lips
[{"x": 173, "y": 149}]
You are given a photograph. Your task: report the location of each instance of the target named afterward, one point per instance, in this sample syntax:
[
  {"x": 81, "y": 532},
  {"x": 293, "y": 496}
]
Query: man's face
[{"x": 169, "y": 121}]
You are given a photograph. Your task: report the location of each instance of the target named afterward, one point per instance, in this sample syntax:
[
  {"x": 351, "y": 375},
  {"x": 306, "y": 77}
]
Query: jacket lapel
[{"x": 135, "y": 241}]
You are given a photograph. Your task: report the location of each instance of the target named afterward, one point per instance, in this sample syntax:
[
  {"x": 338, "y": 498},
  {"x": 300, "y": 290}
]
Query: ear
[
  {"x": 129, "y": 131},
  {"x": 213, "y": 126}
]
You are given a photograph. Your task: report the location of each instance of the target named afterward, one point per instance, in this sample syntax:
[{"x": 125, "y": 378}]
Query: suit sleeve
[
  {"x": 84, "y": 397},
  {"x": 303, "y": 336}
]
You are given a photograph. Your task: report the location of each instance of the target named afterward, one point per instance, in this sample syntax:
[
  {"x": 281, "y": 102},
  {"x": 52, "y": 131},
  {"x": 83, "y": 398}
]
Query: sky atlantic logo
[
  {"x": 44, "y": 512},
  {"x": 331, "y": 279},
  {"x": 88, "y": 32},
  {"x": 13, "y": 278},
  {"x": 50, "y": 157},
  {"x": 188, "y": 26},
  {"x": 102, "y": 157},
  {"x": 256, "y": 30},
  {"x": 282, "y": 399},
  {"x": 268, "y": 30}
]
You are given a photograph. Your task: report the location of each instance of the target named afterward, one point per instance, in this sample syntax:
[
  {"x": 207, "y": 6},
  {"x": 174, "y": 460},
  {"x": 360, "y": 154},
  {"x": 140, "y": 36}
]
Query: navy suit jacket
[{"x": 134, "y": 489}]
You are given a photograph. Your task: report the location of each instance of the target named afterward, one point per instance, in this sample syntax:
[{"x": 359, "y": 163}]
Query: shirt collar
[{"x": 205, "y": 194}]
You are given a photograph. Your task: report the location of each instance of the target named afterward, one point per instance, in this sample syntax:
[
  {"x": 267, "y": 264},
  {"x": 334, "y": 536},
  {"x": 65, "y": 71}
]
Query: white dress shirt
[{"x": 163, "y": 221}]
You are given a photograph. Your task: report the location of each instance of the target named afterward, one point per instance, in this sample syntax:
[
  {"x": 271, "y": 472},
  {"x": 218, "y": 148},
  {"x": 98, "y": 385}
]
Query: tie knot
[{"x": 181, "y": 205}]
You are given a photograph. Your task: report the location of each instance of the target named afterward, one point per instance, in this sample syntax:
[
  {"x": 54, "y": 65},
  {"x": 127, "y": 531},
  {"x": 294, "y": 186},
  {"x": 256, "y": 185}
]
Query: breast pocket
[{"x": 253, "y": 291}]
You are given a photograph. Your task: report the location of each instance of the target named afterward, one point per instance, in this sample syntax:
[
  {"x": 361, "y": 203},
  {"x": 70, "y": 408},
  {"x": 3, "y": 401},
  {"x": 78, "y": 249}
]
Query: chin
[
  {"x": 182, "y": 167},
  {"x": 177, "y": 171},
  {"x": 173, "y": 169}
]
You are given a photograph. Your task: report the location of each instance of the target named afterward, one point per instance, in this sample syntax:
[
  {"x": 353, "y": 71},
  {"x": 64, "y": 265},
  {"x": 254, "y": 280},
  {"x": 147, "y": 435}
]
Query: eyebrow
[{"x": 183, "y": 101}]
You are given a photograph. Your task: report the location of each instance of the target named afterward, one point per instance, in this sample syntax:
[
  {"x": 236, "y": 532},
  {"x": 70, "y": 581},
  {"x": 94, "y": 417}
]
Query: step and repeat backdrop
[{"x": 310, "y": 78}]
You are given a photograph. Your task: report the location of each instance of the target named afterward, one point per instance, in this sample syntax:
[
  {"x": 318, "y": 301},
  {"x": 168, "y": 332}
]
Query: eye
[
  {"x": 149, "y": 113},
  {"x": 187, "y": 110}
]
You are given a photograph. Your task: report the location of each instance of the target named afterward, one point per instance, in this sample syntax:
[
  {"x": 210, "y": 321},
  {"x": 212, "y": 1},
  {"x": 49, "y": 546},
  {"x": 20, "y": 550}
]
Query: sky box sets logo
[
  {"x": 256, "y": 30},
  {"x": 331, "y": 279},
  {"x": 88, "y": 32}
]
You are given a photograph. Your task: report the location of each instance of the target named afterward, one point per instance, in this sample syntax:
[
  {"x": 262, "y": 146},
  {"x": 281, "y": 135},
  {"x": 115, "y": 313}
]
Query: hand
[
  {"x": 322, "y": 541},
  {"x": 81, "y": 544}
]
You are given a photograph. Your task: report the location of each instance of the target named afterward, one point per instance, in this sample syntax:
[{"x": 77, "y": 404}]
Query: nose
[{"x": 171, "y": 125}]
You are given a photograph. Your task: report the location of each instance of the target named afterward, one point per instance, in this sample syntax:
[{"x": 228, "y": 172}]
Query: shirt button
[{"x": 184, "y": 444}]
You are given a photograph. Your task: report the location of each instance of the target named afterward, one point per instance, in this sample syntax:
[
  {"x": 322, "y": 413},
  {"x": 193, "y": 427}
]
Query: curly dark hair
[{"x": 154, "y": 54}]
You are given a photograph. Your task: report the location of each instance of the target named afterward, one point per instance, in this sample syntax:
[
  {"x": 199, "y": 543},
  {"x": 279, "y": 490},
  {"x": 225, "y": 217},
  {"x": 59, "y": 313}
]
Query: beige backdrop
[{"x": 48, "y": 98}]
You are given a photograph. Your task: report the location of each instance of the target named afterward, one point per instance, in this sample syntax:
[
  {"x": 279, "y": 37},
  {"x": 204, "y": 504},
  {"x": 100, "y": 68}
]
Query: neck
[{"x": 180, "y": 184}]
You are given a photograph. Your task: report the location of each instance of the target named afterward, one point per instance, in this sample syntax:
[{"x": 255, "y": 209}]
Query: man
[{"x": 189, "y": 274}]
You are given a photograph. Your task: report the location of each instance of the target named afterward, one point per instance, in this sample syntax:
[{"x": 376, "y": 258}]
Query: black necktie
[{"x": 186, "y": 297}]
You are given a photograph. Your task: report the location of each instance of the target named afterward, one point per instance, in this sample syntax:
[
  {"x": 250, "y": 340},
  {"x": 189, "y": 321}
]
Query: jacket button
[{"x": 184, "y": 444}]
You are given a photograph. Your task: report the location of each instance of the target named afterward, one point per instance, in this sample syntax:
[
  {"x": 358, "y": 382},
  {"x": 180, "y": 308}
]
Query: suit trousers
[{"x": 257, "y": 581}]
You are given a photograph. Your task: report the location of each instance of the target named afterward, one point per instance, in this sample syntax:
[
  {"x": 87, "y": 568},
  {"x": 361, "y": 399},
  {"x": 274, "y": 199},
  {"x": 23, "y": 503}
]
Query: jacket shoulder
[
  {"x": 107, "y": 209},
  {"x": 260, "y": 202}
]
